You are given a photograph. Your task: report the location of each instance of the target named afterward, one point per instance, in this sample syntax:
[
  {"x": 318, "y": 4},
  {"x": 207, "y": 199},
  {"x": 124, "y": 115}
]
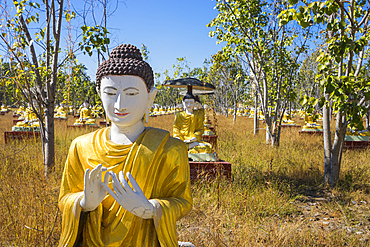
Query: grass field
[{"x": 274, "y": 198}]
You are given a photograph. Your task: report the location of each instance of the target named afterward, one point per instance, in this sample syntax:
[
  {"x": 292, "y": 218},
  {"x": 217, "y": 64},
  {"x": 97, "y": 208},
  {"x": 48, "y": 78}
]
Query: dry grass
[{"x": 273, "y": 199}]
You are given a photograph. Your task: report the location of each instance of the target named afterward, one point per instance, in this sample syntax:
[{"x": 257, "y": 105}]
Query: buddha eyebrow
[
  {"x": 128, "y": 88},
  {"x": 110, "y": 88}
]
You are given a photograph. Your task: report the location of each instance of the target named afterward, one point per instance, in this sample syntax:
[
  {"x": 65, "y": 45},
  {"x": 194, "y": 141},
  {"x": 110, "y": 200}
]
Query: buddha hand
[
  {"x": 133, "y": 200},
  {"x": 94, "y": 193}
]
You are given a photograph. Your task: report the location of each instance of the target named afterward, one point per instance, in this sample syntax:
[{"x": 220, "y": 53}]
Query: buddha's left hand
[{"x": 133, "y": 200}]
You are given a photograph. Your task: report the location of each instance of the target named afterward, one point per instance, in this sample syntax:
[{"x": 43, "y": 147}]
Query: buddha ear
[
  {"x": 151, "y": 97},
  {"x": 98, "y": 91}
]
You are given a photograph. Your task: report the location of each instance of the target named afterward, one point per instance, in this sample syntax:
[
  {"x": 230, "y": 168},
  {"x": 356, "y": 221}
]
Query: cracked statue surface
[{"x": 125, "y": 185}]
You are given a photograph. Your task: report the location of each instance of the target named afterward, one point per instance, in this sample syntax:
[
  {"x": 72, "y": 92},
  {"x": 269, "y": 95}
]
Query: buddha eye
[
  {"x": 132, "y": 93},
  {"x": 110, "y": 93}
]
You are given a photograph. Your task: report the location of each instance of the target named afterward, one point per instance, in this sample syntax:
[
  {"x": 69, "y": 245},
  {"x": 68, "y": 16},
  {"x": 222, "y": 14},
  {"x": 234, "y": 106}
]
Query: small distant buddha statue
[
  {"x": 29, "y": 122},
  {"x": 60, "y": 112},
  {"x": 85, "y": 115},
  {"x": 125, "y": 185},
  {"x": 4, "y": 109},
  {"x": 189, "y": 128},
  {"x": 287, "y": 119},
  {"x": 311, "y": 124},
  {"x": 246, "y": 112}
]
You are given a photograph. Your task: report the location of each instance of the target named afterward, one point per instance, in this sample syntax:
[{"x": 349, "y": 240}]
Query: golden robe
[
  {"x": 189, "y": 126},
  {"x": 160, "y": 166}
]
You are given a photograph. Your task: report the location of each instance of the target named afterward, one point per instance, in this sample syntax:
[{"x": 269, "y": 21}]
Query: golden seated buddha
[
  {"x": 60, "y": 112},
  {"x": 85, "y": 116},
  {"x": 189, "y": 128},
  {"x": 311, "y": 124},
  {"x": 287, "y": 119},
  {"x": 4, "y": 109}
]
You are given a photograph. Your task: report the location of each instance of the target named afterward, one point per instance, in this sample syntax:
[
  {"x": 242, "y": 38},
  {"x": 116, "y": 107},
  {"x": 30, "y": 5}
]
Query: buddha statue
[
  {"x": 85, "y": 115},
  {"x": 311, "y": 124},
  {"x": 287, "y": 119},
  {"x": 125, "y": 185},
  {"x": 4, "y": 109},
  {"x": 188, "y": 127},
  {"x": 60, "y": 112},
  {"x": 29, "y": 122}
]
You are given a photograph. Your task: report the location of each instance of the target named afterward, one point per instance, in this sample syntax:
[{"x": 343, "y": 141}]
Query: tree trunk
[
  {"x": 340, "y": 131},
  {"x": 49, "y": 141},
  {"x": 256, "y": 127},
  {"x": 235, "y": 110},
  {"x": 327, "y": 142},
  {"x": 367, "y": 120}
]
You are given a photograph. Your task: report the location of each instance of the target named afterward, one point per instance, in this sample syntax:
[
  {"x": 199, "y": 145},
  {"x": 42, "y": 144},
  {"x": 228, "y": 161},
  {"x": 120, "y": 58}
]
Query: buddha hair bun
[{"x": 126, "y": 60}]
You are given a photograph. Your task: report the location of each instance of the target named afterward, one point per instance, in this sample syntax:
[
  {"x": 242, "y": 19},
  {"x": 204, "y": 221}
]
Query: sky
[{"x": 169, "y": 28}]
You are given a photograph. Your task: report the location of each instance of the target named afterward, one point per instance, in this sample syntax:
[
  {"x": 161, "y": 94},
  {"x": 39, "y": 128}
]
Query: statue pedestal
[
  {"x": 356, "y": 145},
  {"x": 209, "y": 170},
  {"x": 290, "y": 126},
  {"x": 20, "y": 135},
  {"x": 311, "y": 132},
  {"x": 82, "y": 126}
]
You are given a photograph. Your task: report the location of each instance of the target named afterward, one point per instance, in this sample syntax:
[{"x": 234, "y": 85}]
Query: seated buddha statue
[
  {"x": 287, "y": 119},
  {"x": 85, "y": 115},
  {"x": 60, "y": 112},
  {"x": 188, "y": 127},
  {"x": 4, "y": 109},
  {"x": 125, "y": 185},
  {"x": 246, "y": 112},
  {"x": 311, "y": 124},
  {"x": 30, "y": 121}
]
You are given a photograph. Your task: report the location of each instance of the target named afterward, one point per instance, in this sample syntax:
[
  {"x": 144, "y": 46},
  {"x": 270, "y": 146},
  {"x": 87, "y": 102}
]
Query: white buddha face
[
  {"x": 189, "y": 105},
  {"x": 125, "y": 98}
]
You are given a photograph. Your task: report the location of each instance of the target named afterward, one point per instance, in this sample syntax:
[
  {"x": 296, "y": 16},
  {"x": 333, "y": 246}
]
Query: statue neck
[
  {"x": 189, "y": 112},
  {"x": 126, "y": 134}
]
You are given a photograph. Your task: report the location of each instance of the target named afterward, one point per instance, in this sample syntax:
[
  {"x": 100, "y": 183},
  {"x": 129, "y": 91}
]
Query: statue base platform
[
  {"x": 290, "y": 126},
  {"x": 209, "y": 170},
  {"x": 357, "y": 138},
  {"x": 82, "y": 126},
  {"x": 20, "y": 135},
  {"x": 311, "y": 132},
  {"x": 185, "y": 244},
  {"x": 351, "y": 145}
]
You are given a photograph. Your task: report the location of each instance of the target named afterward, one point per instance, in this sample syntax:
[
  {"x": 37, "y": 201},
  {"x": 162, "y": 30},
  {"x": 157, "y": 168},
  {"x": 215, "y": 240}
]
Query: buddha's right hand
[{"x": 93, "y": 190}]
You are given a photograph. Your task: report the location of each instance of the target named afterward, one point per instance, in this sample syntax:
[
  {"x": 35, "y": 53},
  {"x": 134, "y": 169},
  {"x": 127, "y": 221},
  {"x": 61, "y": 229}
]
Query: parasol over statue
[{"x": 191, "y": 84}]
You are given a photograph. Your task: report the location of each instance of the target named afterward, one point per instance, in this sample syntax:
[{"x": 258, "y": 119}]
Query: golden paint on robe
[
  {"x": 187, "y": 126},
  {"x": 160, "y": 166}
]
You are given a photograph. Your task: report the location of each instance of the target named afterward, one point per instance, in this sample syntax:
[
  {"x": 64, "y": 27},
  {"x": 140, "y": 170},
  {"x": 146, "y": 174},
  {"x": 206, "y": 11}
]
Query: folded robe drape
[{"x": 160, "y": 166}]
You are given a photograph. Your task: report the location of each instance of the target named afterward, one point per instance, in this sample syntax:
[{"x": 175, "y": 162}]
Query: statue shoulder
[
  {"x": 86, "y": 139},
  {"x": 171, "y": 143}
]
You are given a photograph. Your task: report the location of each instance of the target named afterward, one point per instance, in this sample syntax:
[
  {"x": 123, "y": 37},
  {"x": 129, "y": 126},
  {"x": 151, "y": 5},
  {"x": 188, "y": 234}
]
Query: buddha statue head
[
  {"x": 188, "y": 103},
  {"x": 126, "y": 86}
]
